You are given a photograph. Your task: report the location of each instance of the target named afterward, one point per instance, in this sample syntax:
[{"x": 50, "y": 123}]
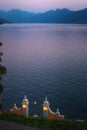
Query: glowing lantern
[
  {"x": 45, "y": 108},
  {"x": 24, "y": 106}
]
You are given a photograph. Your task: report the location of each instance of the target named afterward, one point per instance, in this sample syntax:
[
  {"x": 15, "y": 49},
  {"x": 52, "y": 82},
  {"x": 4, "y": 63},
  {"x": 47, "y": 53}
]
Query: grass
[{"x": 43, "y": 123}]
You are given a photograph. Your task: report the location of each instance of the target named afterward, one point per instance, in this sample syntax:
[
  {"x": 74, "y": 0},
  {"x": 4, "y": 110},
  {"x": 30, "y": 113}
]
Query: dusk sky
[{"x": 42, "y": 5}]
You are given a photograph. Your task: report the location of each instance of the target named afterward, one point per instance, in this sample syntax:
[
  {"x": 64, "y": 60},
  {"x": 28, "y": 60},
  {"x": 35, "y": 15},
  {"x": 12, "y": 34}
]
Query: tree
[{"x": 3, "y": 70}]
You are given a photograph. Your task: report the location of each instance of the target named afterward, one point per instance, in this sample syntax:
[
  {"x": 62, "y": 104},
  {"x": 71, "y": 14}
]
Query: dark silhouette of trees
[
  {"x": 2, "y": 72},
  {"x": 2, "y": 69}
]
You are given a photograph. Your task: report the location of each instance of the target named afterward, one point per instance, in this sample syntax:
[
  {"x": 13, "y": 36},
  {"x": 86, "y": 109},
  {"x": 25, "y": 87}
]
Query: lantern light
[
  {"x": 24, "y": 106},
  {"x": 35, "y": 102},
  {"x": 45, "y": 108}
]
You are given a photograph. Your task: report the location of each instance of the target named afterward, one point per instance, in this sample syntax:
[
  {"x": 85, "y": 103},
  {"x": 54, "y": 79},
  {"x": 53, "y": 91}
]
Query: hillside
[
  {"x": 44, "y": 123},
  {"x": 2, "y": 21},
  {"x": 51, "y": 16}
]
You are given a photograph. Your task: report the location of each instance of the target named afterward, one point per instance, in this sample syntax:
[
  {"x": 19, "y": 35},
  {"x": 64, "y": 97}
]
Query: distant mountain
[
  {"x": 51, "y": 16},
  {"x": 2, "y": 21}
]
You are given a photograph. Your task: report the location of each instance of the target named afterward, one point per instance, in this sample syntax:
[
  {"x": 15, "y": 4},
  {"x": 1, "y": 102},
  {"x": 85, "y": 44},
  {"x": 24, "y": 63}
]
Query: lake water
[{"x": 46, "y": 60}]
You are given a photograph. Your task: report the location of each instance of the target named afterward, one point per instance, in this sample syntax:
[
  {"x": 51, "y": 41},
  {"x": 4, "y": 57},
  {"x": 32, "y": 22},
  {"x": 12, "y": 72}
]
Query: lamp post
[
  {"x": 35, "y": 107},
  {"x": 25, "y": 106},
  {"x": 45, "y": 107}
]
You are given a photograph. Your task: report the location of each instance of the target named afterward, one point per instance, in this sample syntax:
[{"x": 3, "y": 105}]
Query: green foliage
[
  {"x": 44, "y": 123},
  {"x": 2, "y": 70}
]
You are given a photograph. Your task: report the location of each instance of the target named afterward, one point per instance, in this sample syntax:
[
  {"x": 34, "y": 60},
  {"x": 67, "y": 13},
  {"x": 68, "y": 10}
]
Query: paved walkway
[{"x": 12, "y": 126}]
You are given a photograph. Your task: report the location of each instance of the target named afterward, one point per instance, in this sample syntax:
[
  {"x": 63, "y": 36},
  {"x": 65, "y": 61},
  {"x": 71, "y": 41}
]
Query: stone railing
[{"x": 24, "y": 109}]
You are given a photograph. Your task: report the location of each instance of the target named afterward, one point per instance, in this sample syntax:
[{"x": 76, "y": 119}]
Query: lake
[{"x": 46, "y": 60}]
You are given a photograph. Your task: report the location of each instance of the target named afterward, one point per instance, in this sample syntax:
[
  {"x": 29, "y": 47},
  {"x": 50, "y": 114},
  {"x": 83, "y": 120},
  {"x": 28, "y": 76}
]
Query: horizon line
[{"x": 41, "y": 11}]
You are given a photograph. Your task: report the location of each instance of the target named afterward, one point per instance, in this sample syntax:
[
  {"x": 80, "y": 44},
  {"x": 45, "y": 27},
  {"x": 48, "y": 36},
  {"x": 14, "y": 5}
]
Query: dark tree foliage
[
  {"x": 1, "y": 44},
  {"x": 1, "y": 88},
  {"x": 2, "y": 70}
]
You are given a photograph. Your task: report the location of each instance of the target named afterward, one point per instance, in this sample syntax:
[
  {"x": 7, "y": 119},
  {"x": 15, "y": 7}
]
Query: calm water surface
[{"x": 46, "y": 60}]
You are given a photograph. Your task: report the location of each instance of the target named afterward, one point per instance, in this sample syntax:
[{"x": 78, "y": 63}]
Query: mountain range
[
  {"x": 52, "y": 16},
  {"x": 2, "y": 21}
]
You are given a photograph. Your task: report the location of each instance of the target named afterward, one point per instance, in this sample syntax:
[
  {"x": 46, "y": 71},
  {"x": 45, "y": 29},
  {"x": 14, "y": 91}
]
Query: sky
[{"x": 42, "y": 5}]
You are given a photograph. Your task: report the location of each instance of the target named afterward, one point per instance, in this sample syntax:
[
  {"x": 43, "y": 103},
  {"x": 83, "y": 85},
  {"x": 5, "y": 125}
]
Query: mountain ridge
[{"x": 51, "y": 16}]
